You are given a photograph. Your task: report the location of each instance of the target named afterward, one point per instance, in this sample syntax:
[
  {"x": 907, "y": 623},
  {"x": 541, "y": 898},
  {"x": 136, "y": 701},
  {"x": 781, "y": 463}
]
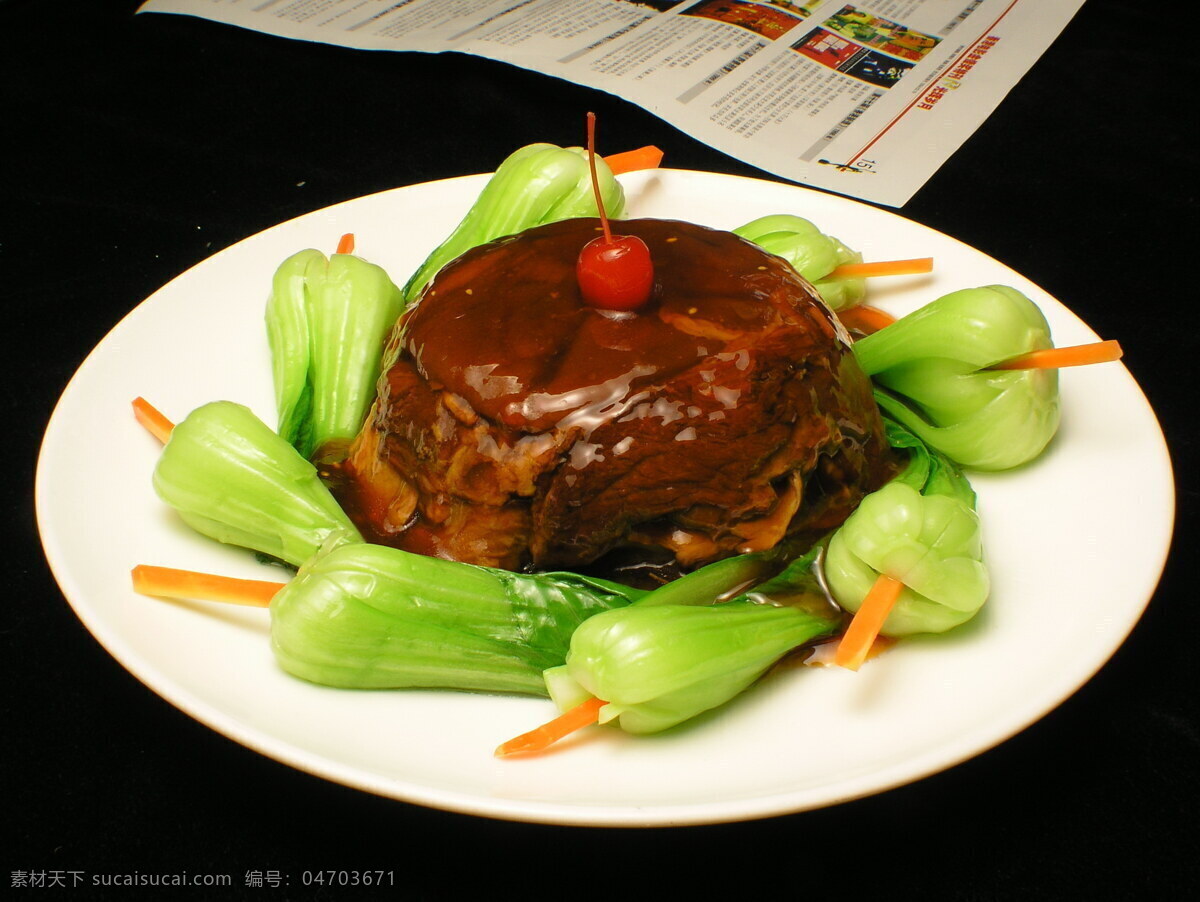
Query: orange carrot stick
[
  {"x": 1054, "y": 358},
  {"x": 346, "y": 245},
  {"x": 911, "y": 267},
  {"x": 166, "y": 582},
  {"x": 154, "y": 422},
  {"x": 867, "y": 622},
  {"x": 547, "y": 734},
  {"x": 648, "y": 157},
  {"x": 865, "y": 319}
]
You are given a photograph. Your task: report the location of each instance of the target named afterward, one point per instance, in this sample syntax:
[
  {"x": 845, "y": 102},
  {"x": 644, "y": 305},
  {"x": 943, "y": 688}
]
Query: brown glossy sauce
[
  {"x": 528, "y": 353},
  {"x": 517, "y": 427}
]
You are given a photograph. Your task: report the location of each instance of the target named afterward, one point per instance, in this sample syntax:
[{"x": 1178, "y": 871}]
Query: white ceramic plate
[{"x": 1074, "y": 559}]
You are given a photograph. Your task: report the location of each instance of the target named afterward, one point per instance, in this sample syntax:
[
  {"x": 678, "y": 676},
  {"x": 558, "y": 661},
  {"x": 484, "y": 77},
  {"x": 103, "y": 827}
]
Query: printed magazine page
[{"x": 866, "y": 99}]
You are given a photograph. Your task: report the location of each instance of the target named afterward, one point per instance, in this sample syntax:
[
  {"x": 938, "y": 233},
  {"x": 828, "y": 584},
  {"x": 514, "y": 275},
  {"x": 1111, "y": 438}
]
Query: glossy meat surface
[{"x": 517, "y": 427}]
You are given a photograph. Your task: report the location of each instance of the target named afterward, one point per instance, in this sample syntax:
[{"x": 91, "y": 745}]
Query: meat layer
[{"x": 517, "y": 427}]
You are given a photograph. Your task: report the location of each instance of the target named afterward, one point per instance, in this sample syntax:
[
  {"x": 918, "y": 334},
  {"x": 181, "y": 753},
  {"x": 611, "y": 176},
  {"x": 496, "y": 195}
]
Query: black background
[{"x": 135, "y": 147}]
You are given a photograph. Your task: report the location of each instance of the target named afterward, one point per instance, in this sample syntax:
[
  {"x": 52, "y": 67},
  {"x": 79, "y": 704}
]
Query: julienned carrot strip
[
  {"x": 346, "y": 245},
  {"x": 154, "y": 422},
  {"x": 547, "y": 734},
  {"x": 867, "y": 622},
  {"x": 166, "y": 582},
  {"x": 1054, "y": 358},
  {"x": 882, "y": 268},
  {"x": 648, "y": 157},
  {"x": 823, "y": 653},
  {"x": 865, "y": 319}
]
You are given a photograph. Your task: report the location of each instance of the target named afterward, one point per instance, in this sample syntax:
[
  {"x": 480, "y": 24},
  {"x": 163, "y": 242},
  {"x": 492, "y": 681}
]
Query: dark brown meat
[{"x": 517, "y": 427}]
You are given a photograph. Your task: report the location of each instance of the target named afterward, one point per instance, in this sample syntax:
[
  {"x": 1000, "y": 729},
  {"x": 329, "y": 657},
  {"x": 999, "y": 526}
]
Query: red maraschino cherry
[{"x": 615, "y": 272}]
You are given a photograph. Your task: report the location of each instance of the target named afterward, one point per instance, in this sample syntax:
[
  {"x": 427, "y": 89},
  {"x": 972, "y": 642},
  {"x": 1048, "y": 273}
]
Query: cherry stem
[{"x": 591, "y": 147}]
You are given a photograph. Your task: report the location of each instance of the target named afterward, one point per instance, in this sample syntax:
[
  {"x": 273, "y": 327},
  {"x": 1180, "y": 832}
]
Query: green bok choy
[
  {"x": 812, "y": 254},
  {"x": 657, "y": 663},
  {"x": 933, "y": 368},
  {"x": 535, "y": 185},
  {"x": 372, "y": 617},
  {"x": 327, "y": 323},
  {"x": 922, "y": 530},
  {"x": 233, "y": 479}
]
